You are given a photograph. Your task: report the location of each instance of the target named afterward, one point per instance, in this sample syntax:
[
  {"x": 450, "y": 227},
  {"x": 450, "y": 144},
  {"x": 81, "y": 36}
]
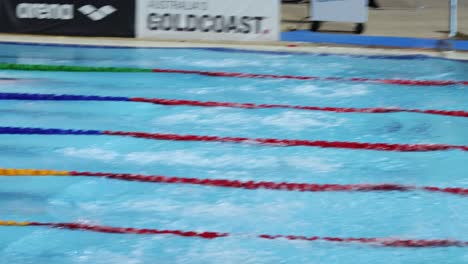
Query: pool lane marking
[
  {"x": 65, "y": 68},
  {"x": 315, "y": 78},
  {"x": 32, "y": 172},
  {"x": 13, "y": 223},
  {"x": 240, "y": 140},
  {"x": 182, "y": 102},
  {"x": 10, "y": 79},
  {"x": 384, "y": 242},
  {"x": 248, "y": 185}
]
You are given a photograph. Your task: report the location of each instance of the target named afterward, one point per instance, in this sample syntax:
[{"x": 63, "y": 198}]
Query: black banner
[
  {"x": 3, "y": 20},
  {"x": 106, "y": 18}
]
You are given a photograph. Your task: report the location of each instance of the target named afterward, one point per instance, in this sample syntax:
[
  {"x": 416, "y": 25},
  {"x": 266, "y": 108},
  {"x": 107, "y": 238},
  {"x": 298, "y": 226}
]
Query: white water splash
[
  {"x": 292, "y": 120},
  {"x": 312, "y": 164},
  {"x": 298, "y": 121},
  {"x": 214, "y": 63},
  {"x": 182, "y": 157},
  {"x": 102, "y": 256},
  {"x": 90, "y": 153},
  {"x": 328, "y": 92}
]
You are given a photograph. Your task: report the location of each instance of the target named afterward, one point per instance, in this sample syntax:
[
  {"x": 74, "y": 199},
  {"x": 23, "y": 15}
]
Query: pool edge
[{"x": 271, "y": 47}]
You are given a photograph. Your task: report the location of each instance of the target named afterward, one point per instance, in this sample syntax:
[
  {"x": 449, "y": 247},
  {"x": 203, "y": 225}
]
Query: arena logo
[
  {"x": 97, "y": 13},
  {"x": 45, "y": 11},
  {"x": 61, "y": 11},
  {"x": 207, "y": 23}
]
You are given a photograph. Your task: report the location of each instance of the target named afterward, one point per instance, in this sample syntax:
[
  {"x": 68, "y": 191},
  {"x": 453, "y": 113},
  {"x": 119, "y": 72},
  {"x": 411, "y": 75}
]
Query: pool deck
[
  {"x": 287, "y": 47},
  {"x": 398, "y": 23},
  {"x": 428, "y": 19}
]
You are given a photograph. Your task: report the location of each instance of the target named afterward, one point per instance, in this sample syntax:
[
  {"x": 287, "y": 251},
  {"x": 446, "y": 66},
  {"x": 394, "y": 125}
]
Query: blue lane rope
[
  {"x": 9, "y": 79},
  {"x": 55, "y": 97},
  {"x": 262, "y": 141},
  {"x": 51, "y": 131}
]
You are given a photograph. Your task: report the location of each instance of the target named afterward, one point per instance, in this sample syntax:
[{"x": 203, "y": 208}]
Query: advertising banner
[
  {"x": 354, "y": 11},
  {"x": 2, "y": 18},
  {"x": 239, "y": 20},
  {"x": 113, "y": 18}
]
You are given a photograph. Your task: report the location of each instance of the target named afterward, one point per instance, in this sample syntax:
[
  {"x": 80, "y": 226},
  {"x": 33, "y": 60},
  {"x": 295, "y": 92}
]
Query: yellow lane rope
[
  {"x": 30, "y": 172},
  {"x": 13, "y": 223}
]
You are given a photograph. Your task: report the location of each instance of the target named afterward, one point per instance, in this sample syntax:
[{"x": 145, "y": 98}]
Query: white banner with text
[
  {"x": 339, "y": 10},
  {"x": 238, "y": 20}
]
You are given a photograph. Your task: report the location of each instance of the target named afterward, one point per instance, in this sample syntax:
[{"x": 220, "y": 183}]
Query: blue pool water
[{"x": 419, "y": 215}]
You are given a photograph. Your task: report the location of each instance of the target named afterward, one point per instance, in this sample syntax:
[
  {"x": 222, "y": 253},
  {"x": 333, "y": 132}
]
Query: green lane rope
[{"x": 64, "y": 68}]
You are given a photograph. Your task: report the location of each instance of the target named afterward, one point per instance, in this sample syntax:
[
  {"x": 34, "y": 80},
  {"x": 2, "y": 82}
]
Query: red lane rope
[
  {"x": 264, "y": 141},
  {"x": 290, "y": 142},
  {"x": 173, "y": 102},
  {"x": 285, "y": 186},
  {"x": 120, "y": 230},
  {"x": 273, "y": 76},
  {"x": 178, "y": 102},
  {"x": 386, "y": 242}
]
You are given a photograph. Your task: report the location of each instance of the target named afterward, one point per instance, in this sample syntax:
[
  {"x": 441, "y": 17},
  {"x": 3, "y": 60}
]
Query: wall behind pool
[{"x": 232, "y": 20}]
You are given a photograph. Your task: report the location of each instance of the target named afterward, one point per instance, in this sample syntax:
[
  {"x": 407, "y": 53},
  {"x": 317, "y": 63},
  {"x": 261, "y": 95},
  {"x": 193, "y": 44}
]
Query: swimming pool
[{"x": 244, "y": 213}]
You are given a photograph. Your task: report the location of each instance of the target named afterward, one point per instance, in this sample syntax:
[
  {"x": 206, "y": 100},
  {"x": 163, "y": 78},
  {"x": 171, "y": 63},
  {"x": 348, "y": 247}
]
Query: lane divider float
[
  {"x": 182, "y": 102},
  {"x": 9, "y": 79},
  {"x": 248, "y": 185},
  {"x": 384, "y": 242},
  {"x": 65, "y": 68},
  {"x": 239, "y": 140}
]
